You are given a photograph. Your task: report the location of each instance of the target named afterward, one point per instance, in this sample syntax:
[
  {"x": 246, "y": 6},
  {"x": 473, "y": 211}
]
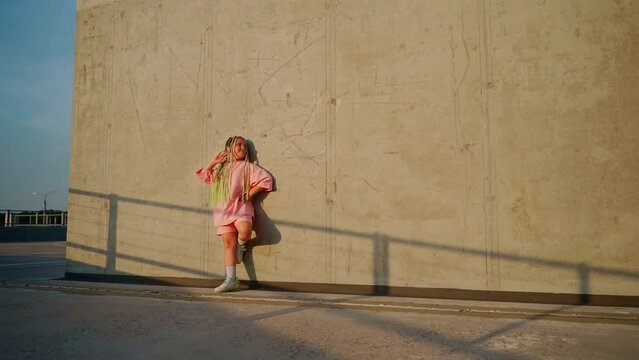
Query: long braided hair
[{"x": 220, "y": 189}]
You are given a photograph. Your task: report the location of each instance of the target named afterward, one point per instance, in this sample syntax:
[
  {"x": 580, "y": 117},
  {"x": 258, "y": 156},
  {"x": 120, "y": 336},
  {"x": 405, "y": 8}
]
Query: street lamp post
[{"x": 45, "y": 203}]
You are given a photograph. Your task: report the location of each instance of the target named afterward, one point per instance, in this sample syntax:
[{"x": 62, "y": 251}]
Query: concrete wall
[{"x": 485, "y": 145}]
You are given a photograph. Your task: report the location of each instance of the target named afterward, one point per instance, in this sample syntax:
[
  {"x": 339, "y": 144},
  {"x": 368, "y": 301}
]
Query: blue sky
[{"x": 37, "y": 39}]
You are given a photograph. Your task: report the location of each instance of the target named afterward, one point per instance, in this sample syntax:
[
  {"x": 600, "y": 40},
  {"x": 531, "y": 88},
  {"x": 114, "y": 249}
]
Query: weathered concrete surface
[
  {"x": 456, "y": 144},
  {"x": 152, "y": 322},
  {"x": 57, "y": 319}
]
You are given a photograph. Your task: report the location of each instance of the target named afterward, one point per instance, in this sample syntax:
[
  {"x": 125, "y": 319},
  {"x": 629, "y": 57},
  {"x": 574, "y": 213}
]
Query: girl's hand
[{"x": 220, "y": 158}]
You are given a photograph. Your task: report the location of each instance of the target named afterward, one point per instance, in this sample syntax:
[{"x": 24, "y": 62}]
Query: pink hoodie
[{"x": 227, "y": 213}]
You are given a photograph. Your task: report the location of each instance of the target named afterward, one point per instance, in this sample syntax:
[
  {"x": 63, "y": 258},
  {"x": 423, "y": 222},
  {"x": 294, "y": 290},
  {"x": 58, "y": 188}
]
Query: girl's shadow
[{"x": 265, "y": 230}]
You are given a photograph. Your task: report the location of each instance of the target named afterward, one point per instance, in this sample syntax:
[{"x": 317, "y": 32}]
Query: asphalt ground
[
  {"x": 32, "y": 261},
  {"x": 42, "y": 317}
]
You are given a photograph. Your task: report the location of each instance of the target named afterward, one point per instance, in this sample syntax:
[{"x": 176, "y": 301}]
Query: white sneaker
[
  {"x": 240, "y": 252},
  {"x": 227, "y": 285}
]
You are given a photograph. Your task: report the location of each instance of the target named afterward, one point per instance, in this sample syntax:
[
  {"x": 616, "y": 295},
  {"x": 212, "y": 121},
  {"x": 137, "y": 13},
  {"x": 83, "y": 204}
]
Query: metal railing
[{"x": 12, "y": 218}]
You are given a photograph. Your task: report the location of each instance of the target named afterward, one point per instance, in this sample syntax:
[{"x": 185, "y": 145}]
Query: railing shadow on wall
[{"x": 268, "y": 234}]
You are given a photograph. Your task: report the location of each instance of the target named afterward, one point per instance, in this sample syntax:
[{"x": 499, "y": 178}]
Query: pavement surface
[
  {"x": 32, "y": 261},
  {"x": 42, "y": 317}
]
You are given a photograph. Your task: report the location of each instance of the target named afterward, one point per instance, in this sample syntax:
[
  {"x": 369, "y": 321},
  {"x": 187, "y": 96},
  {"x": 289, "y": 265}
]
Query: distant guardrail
[{"x": 16, "y": 218}]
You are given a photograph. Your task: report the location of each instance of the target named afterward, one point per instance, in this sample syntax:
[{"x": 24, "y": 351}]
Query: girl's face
[{"x": 239, "y": 150}]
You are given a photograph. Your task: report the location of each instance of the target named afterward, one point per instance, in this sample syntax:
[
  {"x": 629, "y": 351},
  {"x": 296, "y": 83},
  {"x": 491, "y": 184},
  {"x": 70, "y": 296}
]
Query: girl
[{"x": 235, "y": 181}]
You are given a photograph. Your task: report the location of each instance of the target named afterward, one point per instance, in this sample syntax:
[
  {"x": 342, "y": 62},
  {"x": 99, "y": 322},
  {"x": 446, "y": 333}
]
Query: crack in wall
[
  {"x": 268, "y": 78},
  {"x": 491, "y": 232}
]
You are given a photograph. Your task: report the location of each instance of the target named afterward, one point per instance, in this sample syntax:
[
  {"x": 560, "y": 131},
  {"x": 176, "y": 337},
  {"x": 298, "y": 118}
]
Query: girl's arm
[
  {"x": 205, "y": 173},
  {"x": 220, "y": 158},
  {"x": 254, "y": 191},
  {"x": 261, "y": 180}
]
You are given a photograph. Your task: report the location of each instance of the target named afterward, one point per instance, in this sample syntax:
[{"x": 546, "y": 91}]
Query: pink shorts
[{"x": 230, "y": 228}]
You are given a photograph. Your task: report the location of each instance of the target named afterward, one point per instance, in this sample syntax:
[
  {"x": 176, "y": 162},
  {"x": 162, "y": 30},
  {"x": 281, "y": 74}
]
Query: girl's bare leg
[
  {"x": 244, "y": 228},
  {"x": 230, "y": 244},
  {"x": 229, "y": 240}
]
